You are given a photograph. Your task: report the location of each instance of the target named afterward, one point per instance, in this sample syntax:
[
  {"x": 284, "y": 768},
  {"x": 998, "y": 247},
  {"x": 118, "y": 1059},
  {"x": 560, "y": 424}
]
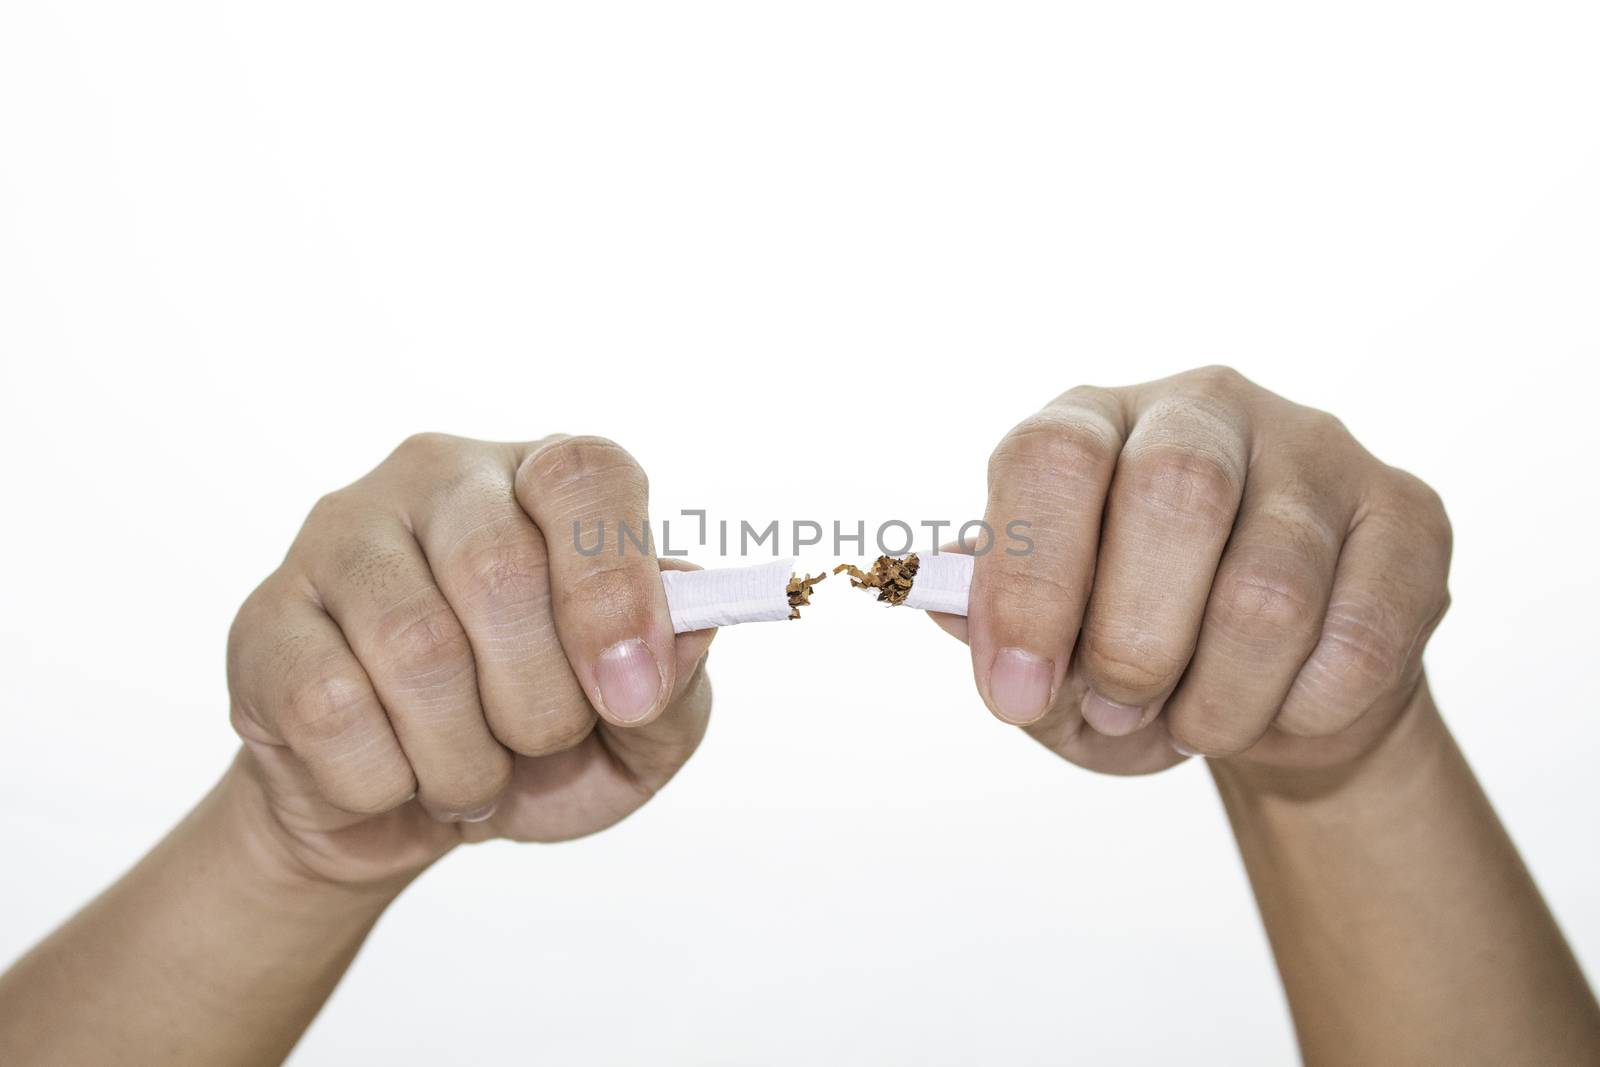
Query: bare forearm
[
  {"x": 210, "y": 951},
  {"x": 1405, "y": 926}
]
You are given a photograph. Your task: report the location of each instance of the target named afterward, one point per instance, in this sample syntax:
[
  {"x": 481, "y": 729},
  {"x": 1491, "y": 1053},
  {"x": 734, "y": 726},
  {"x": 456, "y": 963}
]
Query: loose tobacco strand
[
  {"x": 799, "y": 590},
  {"x": 891, "y": 577}
]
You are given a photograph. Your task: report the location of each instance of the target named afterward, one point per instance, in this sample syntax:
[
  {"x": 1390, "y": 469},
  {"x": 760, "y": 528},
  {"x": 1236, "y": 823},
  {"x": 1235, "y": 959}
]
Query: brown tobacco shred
[
  {"x": 799, "y": 590},
  {"x": 891, "y": 577}
]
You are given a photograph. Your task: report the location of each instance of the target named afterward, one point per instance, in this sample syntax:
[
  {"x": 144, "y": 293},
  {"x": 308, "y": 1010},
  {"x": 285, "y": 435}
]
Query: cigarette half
[
  {"x": 728, "y": 596},
  {"x": 939, "y": 582}
]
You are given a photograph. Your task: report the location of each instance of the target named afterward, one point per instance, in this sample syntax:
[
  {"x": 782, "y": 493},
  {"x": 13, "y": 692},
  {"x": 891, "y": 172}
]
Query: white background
[{"x": 247, "y": 248}]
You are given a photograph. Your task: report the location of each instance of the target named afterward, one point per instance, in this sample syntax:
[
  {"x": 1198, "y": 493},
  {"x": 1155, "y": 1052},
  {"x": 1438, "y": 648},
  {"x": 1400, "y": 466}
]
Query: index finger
[
  {"x": 589, "y": 498},
  {"x": 1051, "y": 472}
]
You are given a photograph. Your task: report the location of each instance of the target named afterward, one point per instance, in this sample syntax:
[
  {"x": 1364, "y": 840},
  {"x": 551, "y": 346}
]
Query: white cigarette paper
[
  {"x": 941, "y": 583},
  {"x": 727, "y": 596}
]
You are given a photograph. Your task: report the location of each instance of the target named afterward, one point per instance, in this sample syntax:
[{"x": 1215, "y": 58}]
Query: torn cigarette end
[
  {"x": 939, "y": 582},
  {"x": 891, "y": 577},
  {"x": 799, "y": 591}
]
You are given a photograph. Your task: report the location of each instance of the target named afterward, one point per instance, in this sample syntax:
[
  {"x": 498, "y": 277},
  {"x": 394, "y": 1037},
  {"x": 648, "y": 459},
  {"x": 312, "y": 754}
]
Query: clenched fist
[
  {"x": 435, "y": 661},
  {"x": 1216, "y": 571}
]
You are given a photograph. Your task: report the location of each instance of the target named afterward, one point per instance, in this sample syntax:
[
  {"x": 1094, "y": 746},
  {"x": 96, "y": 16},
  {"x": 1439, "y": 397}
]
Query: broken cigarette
[
  {"x": 728, "y": 596},
  {"x": 928, "y": 583},
  {"x": 766, "y": 592}
]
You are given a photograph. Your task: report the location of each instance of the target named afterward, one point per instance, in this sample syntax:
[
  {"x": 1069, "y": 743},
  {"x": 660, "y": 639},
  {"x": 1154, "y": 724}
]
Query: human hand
[
  {"x": 435, "y": 662},
  {"x": 1215, "y": 570}
]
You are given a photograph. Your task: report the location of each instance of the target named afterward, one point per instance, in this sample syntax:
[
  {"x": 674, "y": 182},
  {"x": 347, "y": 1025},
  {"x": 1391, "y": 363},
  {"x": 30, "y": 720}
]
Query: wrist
[
  {"x": 1413, "y": 740},
  {"x": 240, "y": 819}
]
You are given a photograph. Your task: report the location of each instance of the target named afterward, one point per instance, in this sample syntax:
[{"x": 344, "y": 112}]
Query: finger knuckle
[
  {"x": 1424, "y": 506},
  {"x": 374, "y": 790},
  {"x": 1360, "y": 650},
  {"x": 428, "y": 647},
  {"x": 1183, "y": 482},
  {"x": 326, "y": 709},
  {"x": 544, "y": 732},
  {"x": 1324, "y": 428},
  {"x": 1090, "y": 397},
  {"x": 426, "y": 445},
  {"x": 1219, "y": 377},
  {"x": 1207, "y": 730},
  {"x": 1266, "y": 601},
  {"x": 1052, "y": 443},
  {"x": 1308, "y": 714},
  {"x": 468, "y": 789},
  {"x": 252, "y": 617},
  {"x": 573, "y": 460},
  {"x": 470, "y": 483},
  {"x": 504, "y": 574},
  {"x": 1118, "y": 664},
  {"x": 331, "y": 511}
]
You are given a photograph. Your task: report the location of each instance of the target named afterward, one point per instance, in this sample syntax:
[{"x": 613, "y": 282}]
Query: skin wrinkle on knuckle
[
  {"x": 1012, "y": 590},
  {"x": 1202, "y": 420},
  {"x": 324, "y": 711},
  {"x": 463, "y": 791},
  {"x": 545, "y": 676},
  {"x": 1052, "y": 445},
  {"x": 553, "y": 729},
  {"x": 1181, "y": 482},
  {"x": 1360, "y": 652},
  {"x": 378, "y": 797},
  {"x": 1301, "y": 524},
  {"x": 1265, "y": 604},
  {"x": 571, "y": 464},
  {"x": 1050, "y": 500},
  {"x": 517, "y": 634},
  {"x": 1130, "y": 662},
  {"x": 266, "y": 637},
  {"x": 1419, "y": 514},
  {"x": 1315, "y": 708},
  {"x": 502, "y": 574},
  {"x": 438, "y": 712},
  {"x": 425, "y": 650},
  {"x": 1203, "y": 728},
  {"x": 367, "y": 776},
  {"x": 600, "y": 497},
  {"x": 1417, "y": 568},
  {"x": 511, "y": 634},
  {"x": 494, "y": 522}
]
